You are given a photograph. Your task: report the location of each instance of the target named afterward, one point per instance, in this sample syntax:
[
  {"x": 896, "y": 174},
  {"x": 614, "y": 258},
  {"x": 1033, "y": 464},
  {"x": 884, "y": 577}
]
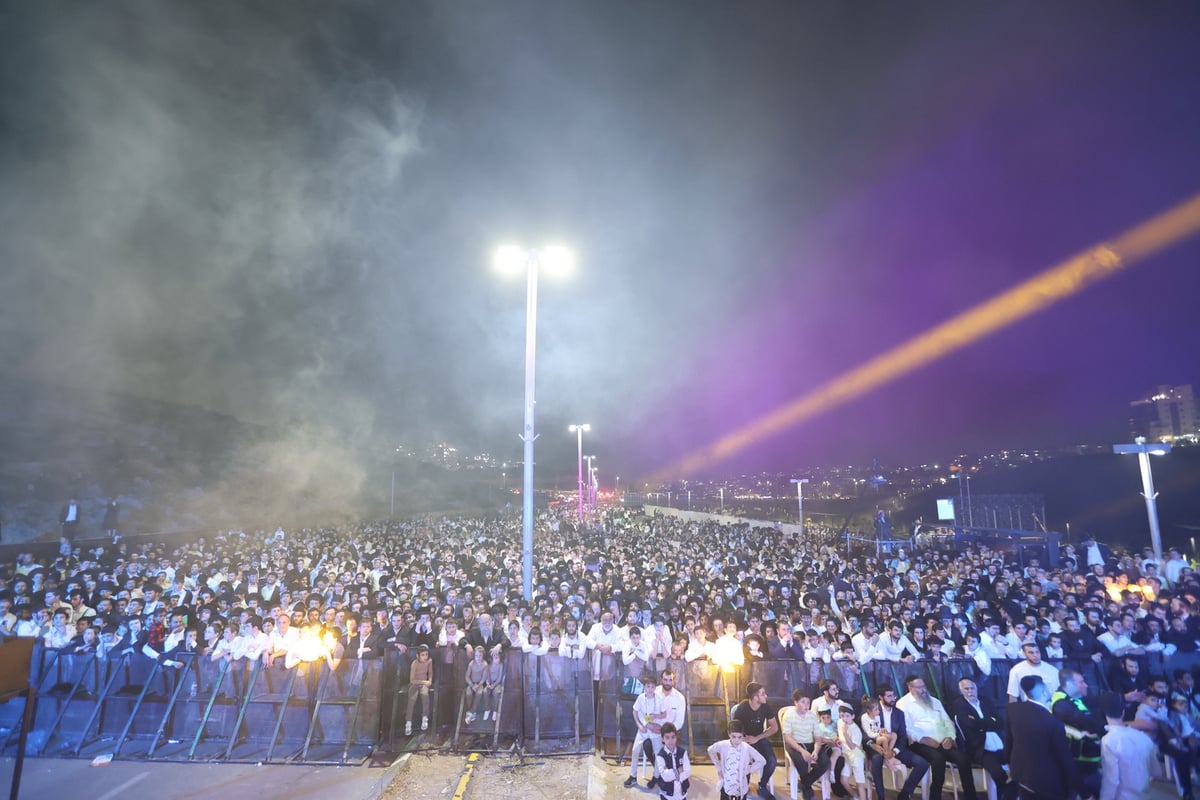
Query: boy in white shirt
[
  {"x": 735, "y": 760},
  {"x": 647, "y": 712}
]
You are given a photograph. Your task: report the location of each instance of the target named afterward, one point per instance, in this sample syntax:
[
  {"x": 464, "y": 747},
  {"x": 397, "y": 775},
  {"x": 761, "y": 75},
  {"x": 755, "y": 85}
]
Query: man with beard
[
  {"x": 931, "y": 735},
  {"x": 892, "y": 720},
  {"x": 603, "y": 640},
  {"x": 573, "y": 644},
  {"x": 980, "y": 730},
  {"x": 486, "y": 636}
]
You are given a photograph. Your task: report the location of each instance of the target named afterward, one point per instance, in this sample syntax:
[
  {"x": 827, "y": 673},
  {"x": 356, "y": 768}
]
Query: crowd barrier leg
[
  {"x": 575, "y": 686},
  {"x": 91, "y": 663},
  {"x": 137, "y": 704},
  {"x": 162, "y": 724},
  {"x": 208, "y": 707},
  {"x": 241, "y": 716},
  {"x": 287, "y": 696},
  {"x": 354, "y": 720},
  {"x": 95, "y": 715}
]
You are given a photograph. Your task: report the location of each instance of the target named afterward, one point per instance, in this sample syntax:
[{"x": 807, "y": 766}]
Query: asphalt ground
[{"x": 77, "y": 778}]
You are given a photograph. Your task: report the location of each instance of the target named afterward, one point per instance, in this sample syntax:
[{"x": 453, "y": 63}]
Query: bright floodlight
[
  {"x": 585, "y": 427},
  {"x": 556, "y": 259},
  {"x": 510, "y": 258}
]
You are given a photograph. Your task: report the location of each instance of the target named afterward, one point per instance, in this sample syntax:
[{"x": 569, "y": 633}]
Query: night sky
[{"x": 286, "y": 212}]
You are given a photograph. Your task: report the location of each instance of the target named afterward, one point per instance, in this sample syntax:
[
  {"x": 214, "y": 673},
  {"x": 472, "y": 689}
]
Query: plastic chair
[{"x": 794, "y": 775}]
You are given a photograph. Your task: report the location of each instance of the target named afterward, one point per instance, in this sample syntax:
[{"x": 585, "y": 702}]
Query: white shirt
[
  {"x": 596, "y": 637},
  {"x": 674, "y": 704},
  {"x": 887, "y": 650},
  {"x": 864, "y": 647},
  {"x": 736, "y": 765},
  {"x": 697, "y": 649},
  {"x": 1115, "y": 643},
  {"x": 1126, "y": 761},
  {"x": 991, "y": 741},
  {"x": 925, "y": 720},
  {"x": 1049, "y": 675}
]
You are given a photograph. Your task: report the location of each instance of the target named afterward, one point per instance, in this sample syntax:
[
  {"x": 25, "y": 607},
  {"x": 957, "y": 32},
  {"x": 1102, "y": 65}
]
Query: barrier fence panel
[
  {"x": 333, "y": 711},
  {"x": 345, "y": 715},
  {"x": 614, "y": 726},
  {"x": 216, "y": 704},
  {"x": 558, "y": 711},
  {"x": 275, "y": 714}
]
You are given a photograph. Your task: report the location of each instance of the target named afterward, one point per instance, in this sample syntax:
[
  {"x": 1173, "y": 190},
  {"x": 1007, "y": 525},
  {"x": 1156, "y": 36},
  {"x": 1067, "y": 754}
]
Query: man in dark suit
[
  {"x": 892, "y": 719},
  {"x": 979, "y": 728},
  {"x": 69, "y": 519},
  {"x": 1036, "y": 745}
]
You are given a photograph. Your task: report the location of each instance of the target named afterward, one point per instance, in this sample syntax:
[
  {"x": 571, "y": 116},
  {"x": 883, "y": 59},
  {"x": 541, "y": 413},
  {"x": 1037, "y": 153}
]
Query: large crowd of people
[{"x": 653, "y": 591}]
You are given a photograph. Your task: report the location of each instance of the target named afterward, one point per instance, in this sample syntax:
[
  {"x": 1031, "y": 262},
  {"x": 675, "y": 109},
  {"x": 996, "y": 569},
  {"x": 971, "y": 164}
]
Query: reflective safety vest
[{"x": 1085, "y": 750}]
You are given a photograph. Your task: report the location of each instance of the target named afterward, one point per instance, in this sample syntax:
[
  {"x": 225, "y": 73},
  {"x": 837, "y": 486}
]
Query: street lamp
[
  {"x": 969, "y": 516},
  {"x": 800, "y": 499},
  {"x": 1144, "y": 451},
  {"x": 512, "y": 259},
  {"x": 578, "y": 431},
  {"x": 588, "y": 485}
]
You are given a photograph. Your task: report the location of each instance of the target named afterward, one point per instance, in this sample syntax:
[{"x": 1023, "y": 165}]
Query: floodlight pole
[
  {"x": 1144, "y": 451},
  {"x": 578, "y": 431},
  {"x": 588, "y": 485},
  {"x": 800, "y": 499},
  {"x": 528, "y": 436}
]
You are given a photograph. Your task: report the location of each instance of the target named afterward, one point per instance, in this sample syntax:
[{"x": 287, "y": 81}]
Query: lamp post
[
  {"x": 1144, "y": 451},
  {"x": 800, "y": 499},
  {"x": 578, "y": 431},
  {"x": 588, "y": 484},
  {"x": 968, "y": 513},
  {"x": 513, "y": 259}
]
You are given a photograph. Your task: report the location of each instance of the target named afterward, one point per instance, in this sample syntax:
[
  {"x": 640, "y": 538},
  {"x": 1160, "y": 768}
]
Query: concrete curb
[
  {"x": 385, "y": 780},
  {"x": 597, "y": 788}
]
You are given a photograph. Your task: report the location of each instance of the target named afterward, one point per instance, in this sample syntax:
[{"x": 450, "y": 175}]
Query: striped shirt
[{"x": 800, "y": 727}]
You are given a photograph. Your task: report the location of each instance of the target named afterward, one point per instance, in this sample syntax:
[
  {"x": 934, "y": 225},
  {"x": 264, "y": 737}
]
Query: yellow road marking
[{"x": 466, "y": 777}]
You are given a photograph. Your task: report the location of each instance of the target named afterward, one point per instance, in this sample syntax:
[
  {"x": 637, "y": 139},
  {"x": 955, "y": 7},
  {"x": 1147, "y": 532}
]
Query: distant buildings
[
  {"x": 1169, "y": 415},
  {"x": 447, "y": 456}
]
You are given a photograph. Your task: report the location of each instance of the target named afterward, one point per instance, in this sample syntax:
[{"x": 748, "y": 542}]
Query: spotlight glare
[
  {"x": 510, "y": 259},
  {"x": 557, "y": 259}
]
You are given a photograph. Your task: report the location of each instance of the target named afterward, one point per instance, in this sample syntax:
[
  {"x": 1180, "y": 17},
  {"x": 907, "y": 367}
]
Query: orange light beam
[{"x": 1033, "y": 295}]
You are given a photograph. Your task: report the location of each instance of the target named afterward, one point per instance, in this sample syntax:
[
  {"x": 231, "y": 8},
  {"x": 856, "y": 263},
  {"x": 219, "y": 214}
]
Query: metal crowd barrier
[
  {"x": 338, "y": 712},
  {"x": 132, "y": 706}
]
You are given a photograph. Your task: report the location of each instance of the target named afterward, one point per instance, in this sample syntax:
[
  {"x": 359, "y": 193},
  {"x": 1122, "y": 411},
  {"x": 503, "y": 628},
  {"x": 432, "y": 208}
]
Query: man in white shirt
[
  {"x": 895, "y": 646},
  {"x": 604, "y": 640},
  {"x": 1032, "y": 665},
  {"x": 865, "y": 641},
  {"x": 1174, "y": 566},
  {"x": 283, "y": 638},
  {"x": 1127, "y": 758},
  {"x": 1117, "y": 641},
  {"x": 992, "y": 643},
  {"x": 698, "y": 646},
  {"x": 931, "y": 735},
  {"x": 573, "y": 644},
  {"x": 255, "y": 643},
  {"x": 828, "y": 699}
]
